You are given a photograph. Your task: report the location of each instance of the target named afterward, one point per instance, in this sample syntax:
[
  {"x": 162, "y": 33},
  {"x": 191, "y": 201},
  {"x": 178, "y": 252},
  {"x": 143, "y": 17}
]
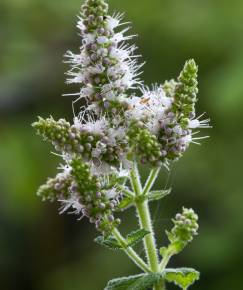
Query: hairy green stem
[
  {"x": 126, "y": 191},
  {"x": 135, "y": 180},
  {"x": 164, "y": 262},
  {"x": 130, "y": 252},
  {"x": 145, "y": 220},
  {"x": 149, "y": 240},
  {"x": 151, "y": 179}
]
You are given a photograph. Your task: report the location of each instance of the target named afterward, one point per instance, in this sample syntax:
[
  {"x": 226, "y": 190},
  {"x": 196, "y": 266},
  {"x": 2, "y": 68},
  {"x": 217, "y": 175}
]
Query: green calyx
[
  {"x": 94, "y": 13},
  {"x": 144, "y": 144}
]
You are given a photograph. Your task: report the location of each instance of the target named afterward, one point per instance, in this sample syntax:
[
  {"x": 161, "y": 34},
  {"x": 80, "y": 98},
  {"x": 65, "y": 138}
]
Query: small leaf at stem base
[
  {"x": 158, "y": 194},
  {"x": 182, "y": 277}
]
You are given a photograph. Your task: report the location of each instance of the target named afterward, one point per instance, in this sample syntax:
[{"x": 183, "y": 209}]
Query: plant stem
[
  {"x": 135, "y": 180},
  {"x": 145, "y": 220},
  {"x": 126, "y": 191},
  {"x": 164, "y": 262},
  {"x": 149, "y": 240},
  {"x": 151, "y": 179},
  {"x": 131, "y": 253}
]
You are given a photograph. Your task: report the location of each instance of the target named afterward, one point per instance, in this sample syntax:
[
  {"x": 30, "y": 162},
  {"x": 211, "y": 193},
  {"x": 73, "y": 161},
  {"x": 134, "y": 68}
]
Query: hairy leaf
[
  {"x": 131, "y": 239},
  {"x": 109, "y": 242},
  {"x": 137, "y": 282},
  {"x": 158, "y": 194},
  {"x": 135, "y": 237},
  {"x": 182, "y": 277}
]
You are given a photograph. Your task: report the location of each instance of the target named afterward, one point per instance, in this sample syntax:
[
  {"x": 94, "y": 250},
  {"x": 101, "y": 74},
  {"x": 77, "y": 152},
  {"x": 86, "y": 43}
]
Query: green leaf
[
  {"x": 109, "y": 242},
  {"x": 132, "y": 239},
  {"x": 125, "y": 203},
  {"x": 137, "y": 282},
  {"x": 158, "y": 194},
  {"x": 182, "y": 277},
  {"x": 136, "y": 236}
]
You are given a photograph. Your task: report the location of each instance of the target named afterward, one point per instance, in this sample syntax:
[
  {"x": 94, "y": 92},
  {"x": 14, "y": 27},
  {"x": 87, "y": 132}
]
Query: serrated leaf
[
  {"x": 136, "y": 236},
  {"x": 125, "y": 203},
  {"x": 182, "y": 277},
  {"x": 109, "y": 242},
  {"x": 137, "y": 282},
  {"x": 158, "y": 194}
]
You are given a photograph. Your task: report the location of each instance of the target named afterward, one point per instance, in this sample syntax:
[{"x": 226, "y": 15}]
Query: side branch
[{"x": 131, "y": 253}]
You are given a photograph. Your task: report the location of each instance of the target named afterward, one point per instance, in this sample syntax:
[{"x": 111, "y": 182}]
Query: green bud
[
  {"x": 185, "y": 228},
  {"x": 186, "y": 91}
]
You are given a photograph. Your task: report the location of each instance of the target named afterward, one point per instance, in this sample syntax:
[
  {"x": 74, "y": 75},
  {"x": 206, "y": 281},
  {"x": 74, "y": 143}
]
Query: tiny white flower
[
  {"x": 196, "y": 123},
  {"x": 89, "y": 38},
  {"x": 112, "y": 193},
  {"x": 112, "y": 22},
  {"x": 71, "y": 203},
  {"x": 102, "y": 40}
]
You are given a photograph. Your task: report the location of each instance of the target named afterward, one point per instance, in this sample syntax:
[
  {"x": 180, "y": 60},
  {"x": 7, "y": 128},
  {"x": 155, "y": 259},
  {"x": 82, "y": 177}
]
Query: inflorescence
[{"x": 118, "y": 125}]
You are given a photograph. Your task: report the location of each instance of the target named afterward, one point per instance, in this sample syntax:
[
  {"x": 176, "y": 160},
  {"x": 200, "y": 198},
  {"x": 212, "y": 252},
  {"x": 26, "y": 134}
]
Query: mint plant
[{"x": 123, "y": 127}]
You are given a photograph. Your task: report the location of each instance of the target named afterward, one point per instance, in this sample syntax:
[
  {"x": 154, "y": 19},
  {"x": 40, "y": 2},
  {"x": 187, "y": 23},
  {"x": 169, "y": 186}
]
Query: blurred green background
[{"x": 40, "y": 250}]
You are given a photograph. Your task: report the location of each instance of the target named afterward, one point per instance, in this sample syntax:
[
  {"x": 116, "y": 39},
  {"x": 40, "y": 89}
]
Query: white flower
[
  {"x": 89, "y": 38},
  {"x": 197, "y": 123},
  {"x": 115, "y": 134},
  {"x": 71, "y": 203},
  {"x": 100, "y": 168},
  {"x": 112, "y": 22},
  {"x": 97, "y": 69},
  {"x": 112, "y": 193},
  {"x": 102, "y": 39},
  {"x": 87, "y": 91},
  {"x": 80, "y": 24},
  {"x": 95, "y": 127}
]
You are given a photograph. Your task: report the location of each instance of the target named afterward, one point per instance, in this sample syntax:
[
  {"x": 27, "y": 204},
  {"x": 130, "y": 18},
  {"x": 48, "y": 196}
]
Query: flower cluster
[
  {"x": 56, "y": 188},
  {"x": 106, "y": 67},
  {"x": 118, "y": 126},
  {"x": 185, "y": 227},
  {"x": 84, "y": 193},
  {"x": 94, "y": 140}
]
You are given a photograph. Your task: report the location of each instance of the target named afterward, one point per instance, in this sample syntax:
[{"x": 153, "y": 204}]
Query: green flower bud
[
  {"x": 144, "y": 144},
  {"x": 186, "y": 92},
  {"x": 185, "y": 228},
  {"x": 56, "y": 188}
]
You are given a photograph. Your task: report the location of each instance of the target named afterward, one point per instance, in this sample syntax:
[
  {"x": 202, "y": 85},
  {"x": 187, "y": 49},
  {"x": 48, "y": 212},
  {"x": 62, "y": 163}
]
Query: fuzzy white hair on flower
[
  {"x": 198, "y": 123},
  {"x": 71, "y": 203},
  {"x": 112, "y": 193},
  {"x": 114, "y": 21},
  {"x": 90, "y": 124}
]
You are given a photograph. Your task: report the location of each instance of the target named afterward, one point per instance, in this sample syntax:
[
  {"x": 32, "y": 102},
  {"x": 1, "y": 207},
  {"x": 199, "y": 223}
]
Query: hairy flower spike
[
  {"x": 106, "y": 67},
  {"x": 186, "y": 93},
  {"x": 66, "y": 138},
  {"x": 91, "y": 140},
  {"x": 98, "y": 206},
  {"x": 56, "y": 188}
]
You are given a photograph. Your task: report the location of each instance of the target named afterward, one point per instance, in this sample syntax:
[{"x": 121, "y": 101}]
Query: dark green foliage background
[{"x": 40, "y": 250}]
